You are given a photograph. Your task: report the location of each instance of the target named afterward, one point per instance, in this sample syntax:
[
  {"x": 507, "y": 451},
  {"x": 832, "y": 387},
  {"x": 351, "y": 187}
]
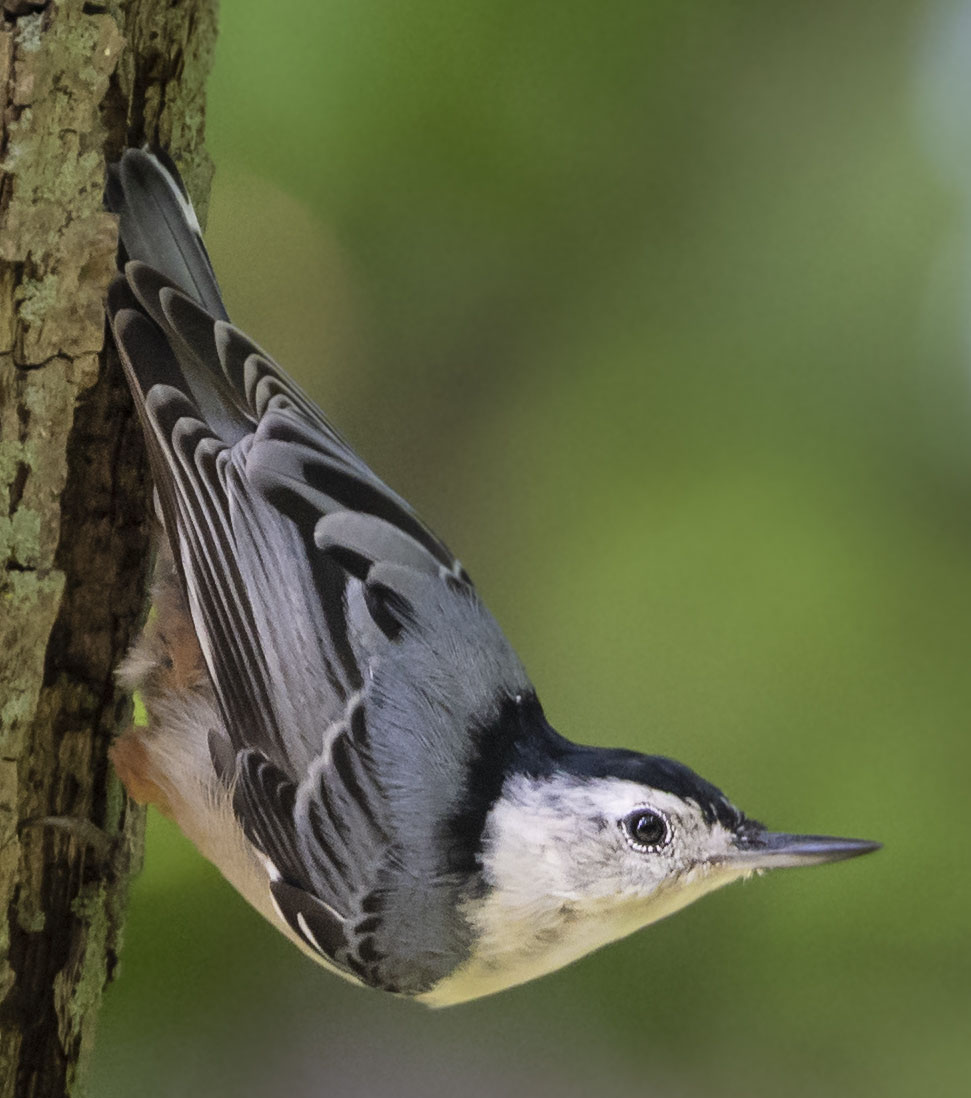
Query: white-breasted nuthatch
[{"x": 335, "y": 719}]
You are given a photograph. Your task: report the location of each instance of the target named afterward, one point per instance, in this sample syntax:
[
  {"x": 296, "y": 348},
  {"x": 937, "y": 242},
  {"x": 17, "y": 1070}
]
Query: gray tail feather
[
  {"x": 164, "y": 306},
  {"x": 158, "y": 225}
]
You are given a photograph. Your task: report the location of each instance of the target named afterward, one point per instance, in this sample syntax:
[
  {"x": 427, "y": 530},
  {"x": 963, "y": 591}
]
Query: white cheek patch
[
  {"x": 565, "y": 880},
  {"x": 549, "y": 842}
]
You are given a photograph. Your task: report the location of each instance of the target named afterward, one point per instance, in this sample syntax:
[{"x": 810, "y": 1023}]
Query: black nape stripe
[
  {"x": 514, "y": 739},
  {"x": 661, "y": 773}
]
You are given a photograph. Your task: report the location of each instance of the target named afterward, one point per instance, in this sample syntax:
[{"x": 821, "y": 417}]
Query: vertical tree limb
[{"x": 78, "y": 81}]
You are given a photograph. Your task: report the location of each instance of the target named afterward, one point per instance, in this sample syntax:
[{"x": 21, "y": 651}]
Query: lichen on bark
[{"x": 78, "y": 81}]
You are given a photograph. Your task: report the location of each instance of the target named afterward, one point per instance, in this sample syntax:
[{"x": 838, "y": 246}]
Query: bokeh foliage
[{"x": 656, "y": 311}]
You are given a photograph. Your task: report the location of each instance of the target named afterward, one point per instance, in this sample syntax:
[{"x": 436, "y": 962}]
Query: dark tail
[
  {"x": 158, "y": 225},
  {"x": 165, "y": 309}
]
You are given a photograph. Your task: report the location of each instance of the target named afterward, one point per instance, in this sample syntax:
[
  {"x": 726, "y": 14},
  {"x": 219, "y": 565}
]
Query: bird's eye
[{"x": 645, "y": 829}]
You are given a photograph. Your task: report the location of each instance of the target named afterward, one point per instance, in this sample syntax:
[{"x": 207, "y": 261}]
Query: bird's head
[{"x": 604, "y": 842}]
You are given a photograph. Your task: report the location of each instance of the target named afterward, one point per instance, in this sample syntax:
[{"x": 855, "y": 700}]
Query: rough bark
[{"x": 78, "y": 80}]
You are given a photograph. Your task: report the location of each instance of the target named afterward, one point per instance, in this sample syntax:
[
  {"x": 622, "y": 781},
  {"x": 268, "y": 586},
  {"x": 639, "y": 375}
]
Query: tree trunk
[{"x": 78, "y": 81}]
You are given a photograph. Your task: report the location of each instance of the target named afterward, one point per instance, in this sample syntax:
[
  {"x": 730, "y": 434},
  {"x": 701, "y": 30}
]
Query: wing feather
[{"x": 302, "y": 570}]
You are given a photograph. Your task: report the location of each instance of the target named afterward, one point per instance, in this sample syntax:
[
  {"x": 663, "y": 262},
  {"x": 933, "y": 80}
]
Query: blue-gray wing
[{"x": 304, "y": 575}]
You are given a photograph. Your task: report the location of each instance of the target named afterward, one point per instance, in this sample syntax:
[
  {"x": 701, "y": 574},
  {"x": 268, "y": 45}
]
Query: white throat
[{"x": 564, "y": 882}]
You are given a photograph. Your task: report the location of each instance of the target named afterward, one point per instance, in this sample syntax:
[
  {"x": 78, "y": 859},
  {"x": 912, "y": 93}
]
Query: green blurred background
[{"x": 659, "y": 312}]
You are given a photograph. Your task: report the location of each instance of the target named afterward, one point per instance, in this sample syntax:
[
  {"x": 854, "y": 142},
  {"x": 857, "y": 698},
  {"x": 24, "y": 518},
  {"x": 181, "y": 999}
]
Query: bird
[{"x": 334, "y": 717}]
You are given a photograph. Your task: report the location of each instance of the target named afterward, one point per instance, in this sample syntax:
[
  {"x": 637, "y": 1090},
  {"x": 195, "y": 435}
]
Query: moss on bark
[{"x": 78, "y": 81}]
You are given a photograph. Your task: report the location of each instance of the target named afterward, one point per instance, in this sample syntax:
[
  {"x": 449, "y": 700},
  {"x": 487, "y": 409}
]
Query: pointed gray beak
[{"x": 778, "y": 850}]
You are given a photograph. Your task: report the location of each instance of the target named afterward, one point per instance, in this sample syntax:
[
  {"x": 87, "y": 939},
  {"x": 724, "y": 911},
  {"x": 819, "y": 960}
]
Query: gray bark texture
[{"x": 78, "y": 81}]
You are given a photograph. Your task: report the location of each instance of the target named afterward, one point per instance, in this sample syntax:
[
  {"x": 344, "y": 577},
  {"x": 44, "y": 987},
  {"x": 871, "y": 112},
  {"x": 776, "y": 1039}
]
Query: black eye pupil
[{"x": 646, "y": 828}]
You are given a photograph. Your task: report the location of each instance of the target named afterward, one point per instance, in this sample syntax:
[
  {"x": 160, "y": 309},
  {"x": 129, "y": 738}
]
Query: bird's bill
[{"x": 779, "y": 850}]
